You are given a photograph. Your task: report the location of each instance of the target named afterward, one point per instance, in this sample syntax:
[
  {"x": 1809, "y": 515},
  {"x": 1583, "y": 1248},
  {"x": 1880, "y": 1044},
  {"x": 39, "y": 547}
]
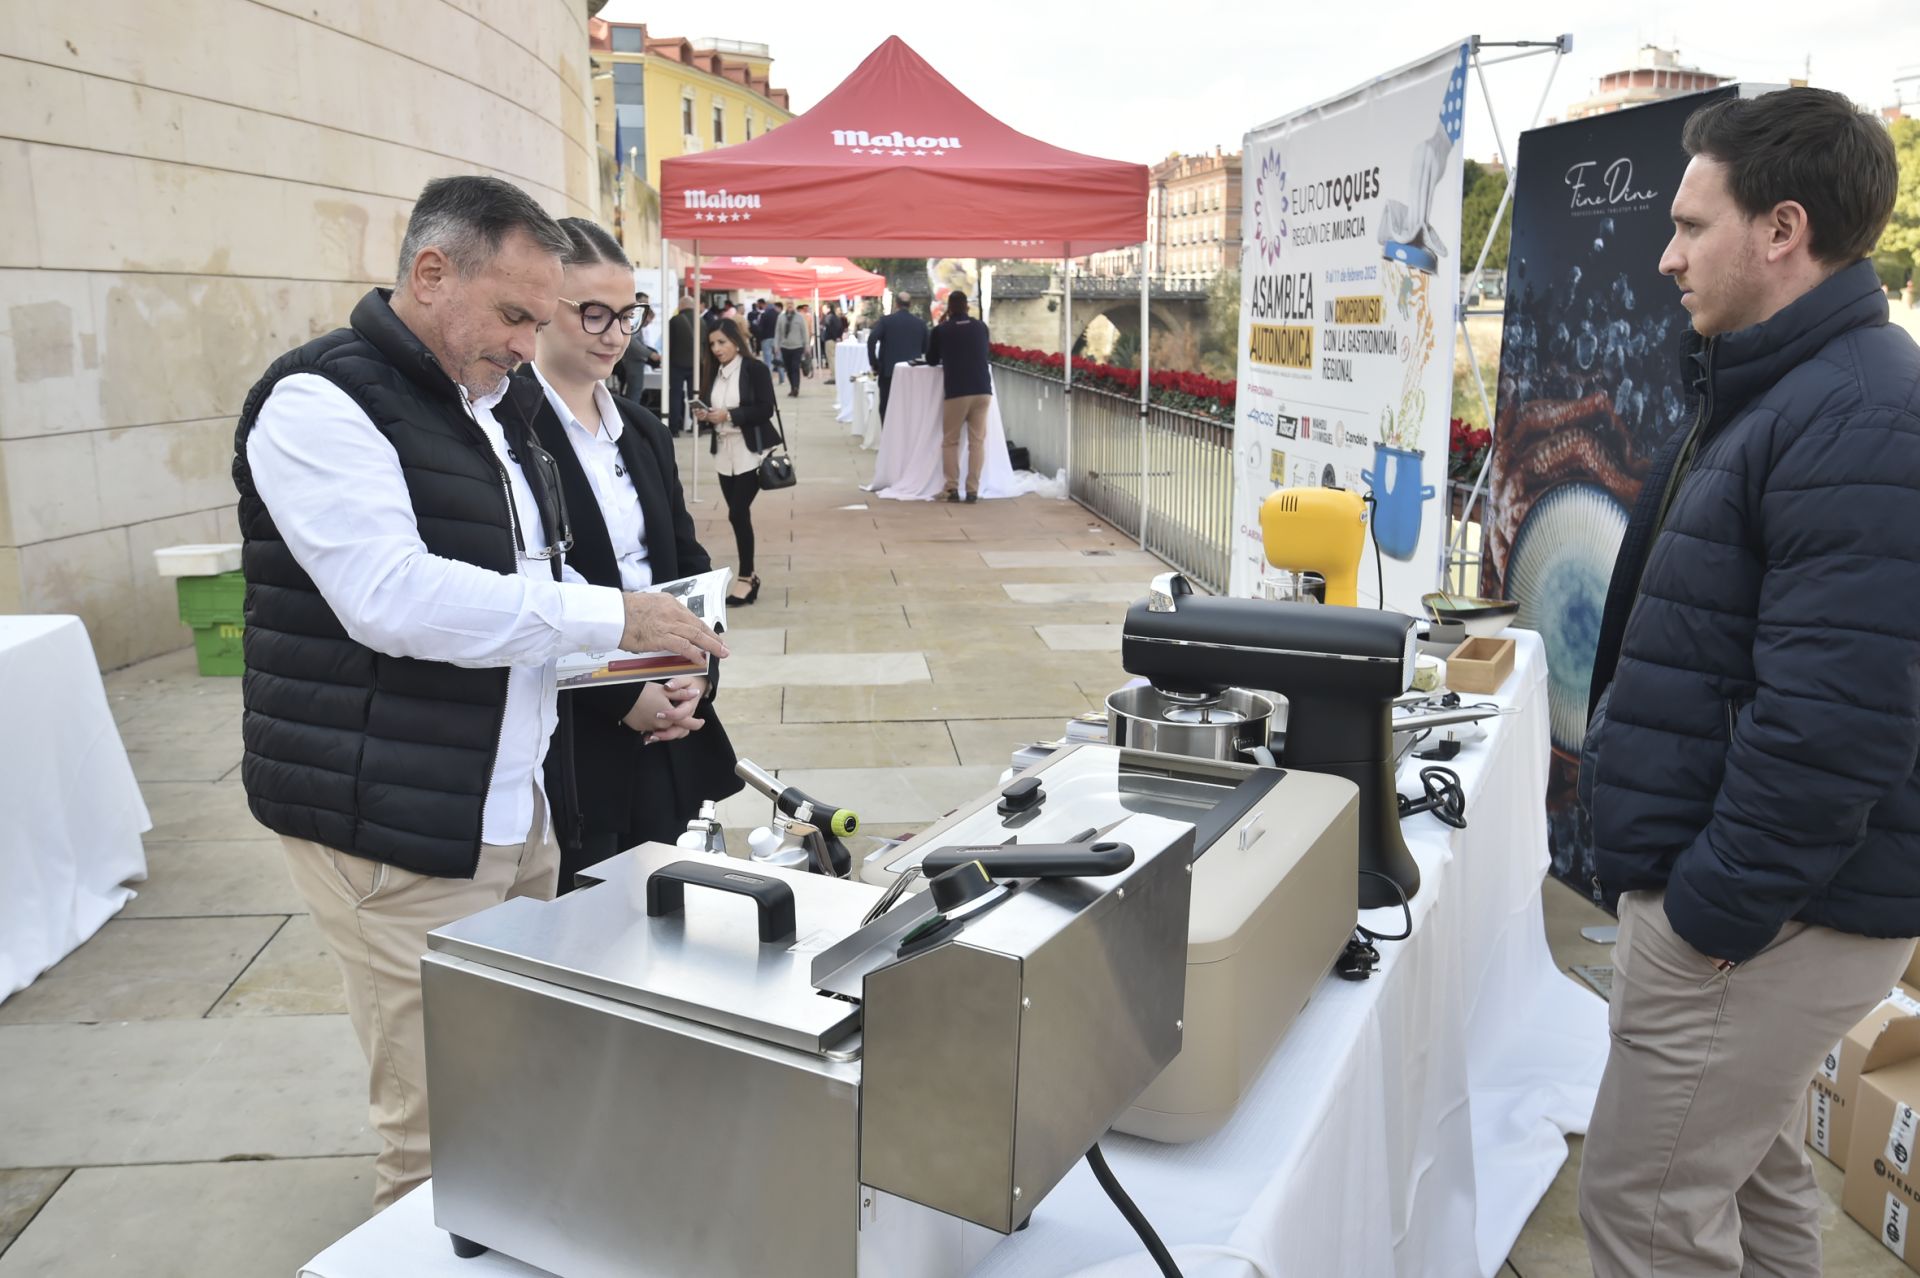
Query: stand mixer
[{"x": 1339, "y": 669}]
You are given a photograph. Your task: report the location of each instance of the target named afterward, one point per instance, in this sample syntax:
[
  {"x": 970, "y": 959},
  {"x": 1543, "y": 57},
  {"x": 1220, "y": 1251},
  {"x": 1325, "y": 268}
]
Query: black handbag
[{"x": 776, "y": 468}]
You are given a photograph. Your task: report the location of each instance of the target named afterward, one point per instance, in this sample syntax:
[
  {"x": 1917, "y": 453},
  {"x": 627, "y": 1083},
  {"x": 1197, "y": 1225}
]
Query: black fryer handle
[
  {"x": 666, "y": 893},
  {"x": 1035, "y": 860}
]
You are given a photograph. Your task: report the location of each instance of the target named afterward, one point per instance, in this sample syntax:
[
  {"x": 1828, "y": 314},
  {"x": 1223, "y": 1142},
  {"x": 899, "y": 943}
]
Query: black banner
[{"x": 1590, "y": 386}]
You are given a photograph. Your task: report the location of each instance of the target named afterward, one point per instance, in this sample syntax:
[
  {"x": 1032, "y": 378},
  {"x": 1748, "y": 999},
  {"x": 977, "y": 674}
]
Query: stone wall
[{"x": 189, "y": 188}]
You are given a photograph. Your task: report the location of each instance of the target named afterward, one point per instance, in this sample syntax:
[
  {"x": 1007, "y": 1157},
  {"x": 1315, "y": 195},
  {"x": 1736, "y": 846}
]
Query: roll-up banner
[
  {"x": 1349, "y": 288},
  {"x": 1590, "y": 387}
]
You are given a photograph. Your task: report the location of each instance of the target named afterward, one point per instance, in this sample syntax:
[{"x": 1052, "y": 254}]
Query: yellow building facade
[{"x": 656, "y": 97}]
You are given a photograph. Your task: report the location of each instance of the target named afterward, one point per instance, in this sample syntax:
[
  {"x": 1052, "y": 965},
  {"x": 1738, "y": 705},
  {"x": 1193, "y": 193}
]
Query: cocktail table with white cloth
[
  {"x": 70, "y": 837},
  {"x": 1406, "y": 1126},
  {"x": 849, "y": 361},
  {"x": 908, "y": 467}
]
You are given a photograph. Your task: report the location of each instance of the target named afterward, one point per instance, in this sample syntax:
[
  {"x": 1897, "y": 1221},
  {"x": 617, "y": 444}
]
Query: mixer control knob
[{"x": 1021, "y": 795}]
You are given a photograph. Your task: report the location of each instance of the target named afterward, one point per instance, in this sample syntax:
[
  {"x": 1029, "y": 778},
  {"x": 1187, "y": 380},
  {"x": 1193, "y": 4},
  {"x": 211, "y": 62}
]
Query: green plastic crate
[
  {"x": 218, "y": 648},
  {"x": 206, "y": 600}
]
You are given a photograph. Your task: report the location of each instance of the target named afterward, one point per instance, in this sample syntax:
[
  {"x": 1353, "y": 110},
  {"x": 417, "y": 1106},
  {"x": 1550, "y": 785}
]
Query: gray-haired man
[{"x": 405, "y": 607}]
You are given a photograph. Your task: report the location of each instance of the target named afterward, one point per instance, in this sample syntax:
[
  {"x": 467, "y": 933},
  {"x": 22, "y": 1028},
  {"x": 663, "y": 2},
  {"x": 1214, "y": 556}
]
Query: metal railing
[{"x": 1165, "y": 479}]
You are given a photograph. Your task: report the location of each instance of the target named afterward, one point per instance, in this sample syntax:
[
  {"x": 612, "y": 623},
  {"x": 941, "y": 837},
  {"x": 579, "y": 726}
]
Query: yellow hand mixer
[{"x": 1317, "y": 530}]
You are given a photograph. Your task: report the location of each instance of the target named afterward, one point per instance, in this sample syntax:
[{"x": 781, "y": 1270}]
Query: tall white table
[
  {"x": 908, "y": 467},
  {"x": 1404, "y": 1128},
  {"x": 849, "y": 361},
  {"x": 73, "y": 815}
]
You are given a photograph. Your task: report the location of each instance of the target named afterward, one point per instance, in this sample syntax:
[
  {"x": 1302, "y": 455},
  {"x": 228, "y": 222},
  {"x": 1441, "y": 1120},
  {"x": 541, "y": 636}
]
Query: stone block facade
[{"x": 191, "y": 187}]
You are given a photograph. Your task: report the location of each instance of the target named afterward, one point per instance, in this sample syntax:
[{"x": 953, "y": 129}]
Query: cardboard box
[
  {"x": 1882, "y": 1189},
  {"x": 1830, "y": 1097},
  {"x": 1480, "y": 665},
  {"x": 1912, "y": 976}
]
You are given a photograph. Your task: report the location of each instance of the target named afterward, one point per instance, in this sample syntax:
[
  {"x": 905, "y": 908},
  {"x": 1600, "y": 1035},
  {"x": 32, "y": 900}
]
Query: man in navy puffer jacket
[{"x": 1751, "y": 767}]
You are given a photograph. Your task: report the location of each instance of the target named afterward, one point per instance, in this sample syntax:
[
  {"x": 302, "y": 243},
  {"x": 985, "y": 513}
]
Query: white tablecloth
[
  {"x": 908, "y": 467},
  {"x": 71, "y": 814},
  {"x": 849, "y": 361},
  {"x": 866, "y": 413},
  {"x": 1407, "y": 1125}
]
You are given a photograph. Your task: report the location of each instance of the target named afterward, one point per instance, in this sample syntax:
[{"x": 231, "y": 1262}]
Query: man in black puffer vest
[
  {"x": 1751, "y": 766},
  {"x": 405, "y": 607}
]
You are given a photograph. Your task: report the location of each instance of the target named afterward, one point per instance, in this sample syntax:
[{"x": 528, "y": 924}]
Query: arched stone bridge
[{"x": 1027, "y": 309}]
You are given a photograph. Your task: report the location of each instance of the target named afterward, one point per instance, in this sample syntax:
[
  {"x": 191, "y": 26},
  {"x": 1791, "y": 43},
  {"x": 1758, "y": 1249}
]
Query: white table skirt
[
  {"x": 1406, "y": 1126},
  {"x": 849, "y": 361},
  {"x": 866, "y": 413},
  {"x": 908, "y": 467},
  {"x": 70, "y": 836}
]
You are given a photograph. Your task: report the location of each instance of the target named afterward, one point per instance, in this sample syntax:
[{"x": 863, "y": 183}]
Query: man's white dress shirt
[
  {"x": 598, "y": 448},
  {"x": 338, "y": 497}
]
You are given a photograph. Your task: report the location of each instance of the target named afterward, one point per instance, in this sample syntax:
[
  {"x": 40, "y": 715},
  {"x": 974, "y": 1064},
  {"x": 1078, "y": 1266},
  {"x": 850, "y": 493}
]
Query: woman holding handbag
[
  {"x": 739, "y": 394},
  {"x": 632, "y": 762}
]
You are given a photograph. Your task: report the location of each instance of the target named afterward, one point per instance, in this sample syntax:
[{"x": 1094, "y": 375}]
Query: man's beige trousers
[
  {"x": 375, "y": 918},
  {"x": 1696, "y": 1161},
  {"x": 968, "y": 412}
]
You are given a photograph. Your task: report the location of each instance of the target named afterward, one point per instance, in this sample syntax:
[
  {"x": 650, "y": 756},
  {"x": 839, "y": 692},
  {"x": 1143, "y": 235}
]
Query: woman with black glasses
[{"x": 643, "y": 756}]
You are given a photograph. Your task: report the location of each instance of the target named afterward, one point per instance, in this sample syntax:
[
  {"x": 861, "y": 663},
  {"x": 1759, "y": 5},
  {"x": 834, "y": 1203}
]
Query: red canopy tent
[
  {"x": 787, "y": 277},
  {"x": 896, "y": 162}
]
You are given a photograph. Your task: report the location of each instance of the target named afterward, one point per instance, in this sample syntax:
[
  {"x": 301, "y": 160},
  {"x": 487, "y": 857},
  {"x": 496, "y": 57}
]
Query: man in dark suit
[
  {"x": 681, "y": 350},
  {"x": 900, "y": 337}
]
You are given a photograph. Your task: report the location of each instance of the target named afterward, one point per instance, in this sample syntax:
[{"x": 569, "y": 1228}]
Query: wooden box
[{"x": 1480, "y": 665}]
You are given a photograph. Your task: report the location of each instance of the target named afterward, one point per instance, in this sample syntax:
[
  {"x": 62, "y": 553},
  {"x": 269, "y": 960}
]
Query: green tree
[
  {"x": 1481, "y": 189},
  {"x": 1125, "y": 352},
  {"x": 1222, "y": 337},
  {"x": 1900, "y": 245}
]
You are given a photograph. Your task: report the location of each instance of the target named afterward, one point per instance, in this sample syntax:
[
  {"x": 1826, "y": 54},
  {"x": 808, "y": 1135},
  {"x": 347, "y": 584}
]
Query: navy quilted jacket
[{"x": 1757, "y": 753}]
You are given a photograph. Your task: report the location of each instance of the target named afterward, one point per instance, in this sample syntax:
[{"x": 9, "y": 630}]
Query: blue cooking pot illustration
[{"x": 1397, "y": 498}]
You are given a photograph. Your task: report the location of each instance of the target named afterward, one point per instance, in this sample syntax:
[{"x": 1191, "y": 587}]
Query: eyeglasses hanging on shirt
[
  {"x": 543, "y": 477},
  {"x": 597, "y": 317}
]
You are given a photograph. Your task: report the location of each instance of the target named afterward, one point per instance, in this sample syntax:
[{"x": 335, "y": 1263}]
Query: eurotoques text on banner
[{"x": 1349, "y": 288}]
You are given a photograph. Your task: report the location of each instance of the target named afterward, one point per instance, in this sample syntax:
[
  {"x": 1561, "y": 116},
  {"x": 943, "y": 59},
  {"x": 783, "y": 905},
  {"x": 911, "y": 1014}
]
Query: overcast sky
[{"x": 1134, "y": 81}]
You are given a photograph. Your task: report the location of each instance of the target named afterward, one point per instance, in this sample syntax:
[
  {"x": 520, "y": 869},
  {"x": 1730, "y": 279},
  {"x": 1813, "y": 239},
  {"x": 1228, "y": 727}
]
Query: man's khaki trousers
[
  {"x": 375, "y": 918},
  {"x": 969, "y": 412},
  {"x": 1696, "y": 1161}
]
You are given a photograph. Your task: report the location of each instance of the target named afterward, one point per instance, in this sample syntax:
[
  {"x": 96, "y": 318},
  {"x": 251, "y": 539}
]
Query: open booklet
[{"x": 705, "y": 596}]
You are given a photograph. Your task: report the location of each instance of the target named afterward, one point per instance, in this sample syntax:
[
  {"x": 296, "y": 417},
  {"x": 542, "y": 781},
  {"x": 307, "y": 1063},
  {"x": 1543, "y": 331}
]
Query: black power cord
[
  {"x": 1373, "y": 530},
  {"x": 1357, "y": 961},
  {"x": 1135, "y": 1217},
  {"x": 1443, "y": 797}
]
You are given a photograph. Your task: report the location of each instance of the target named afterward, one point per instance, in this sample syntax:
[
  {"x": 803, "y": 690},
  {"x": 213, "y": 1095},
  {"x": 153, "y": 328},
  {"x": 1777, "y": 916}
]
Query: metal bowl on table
[{"x": 1233, "y": 726}]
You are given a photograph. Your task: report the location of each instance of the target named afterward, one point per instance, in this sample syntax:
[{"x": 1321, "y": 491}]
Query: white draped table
[
  {"x": 908, "y": 467},
  {"x": 1404, "y": 1128},
  {"x": 73, "y": 815},
  {"x": 849, "y": 362}
]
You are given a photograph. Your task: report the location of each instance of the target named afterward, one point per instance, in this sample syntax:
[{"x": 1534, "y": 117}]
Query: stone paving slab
[{"x": 195, "y": 1220}]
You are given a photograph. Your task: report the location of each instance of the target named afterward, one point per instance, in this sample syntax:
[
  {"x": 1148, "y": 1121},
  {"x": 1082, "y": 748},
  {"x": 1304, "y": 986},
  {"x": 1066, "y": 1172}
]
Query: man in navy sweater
[
  {"x": 898, "y": 339},
  {"x": 1750, "y": 766},
  {"x": 958, "y": 348}
]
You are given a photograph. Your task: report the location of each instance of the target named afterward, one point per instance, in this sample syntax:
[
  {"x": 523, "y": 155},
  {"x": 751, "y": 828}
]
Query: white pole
[
  {"x": 1066, "y": 363},
  {"x": 699, "y": 344},
  {"x": 1145, "y": 504}
]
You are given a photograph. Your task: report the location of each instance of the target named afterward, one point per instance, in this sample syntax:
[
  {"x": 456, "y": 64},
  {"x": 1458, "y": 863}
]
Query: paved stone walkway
[{"x": 183, "y": 1095}]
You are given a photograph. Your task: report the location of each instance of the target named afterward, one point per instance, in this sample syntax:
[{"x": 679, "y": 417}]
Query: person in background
[
  {"x": 740, "y": 409},
  {"x": 643, "y": 756},
  {"x": 1750, "y": 759},
  {"x": 900, "y": 338},
  {"x": 711, "y": 316},
  {"x": 629, "y": 377},
  {"x": 791, "y": 336},
  {"x": 683, "y": 358},
  {"x": 832, "y": 329},
  {"x": 958, "y": 347},
  {"x": 761, "y": 330},
  {"x": 406, "y": 604}
]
